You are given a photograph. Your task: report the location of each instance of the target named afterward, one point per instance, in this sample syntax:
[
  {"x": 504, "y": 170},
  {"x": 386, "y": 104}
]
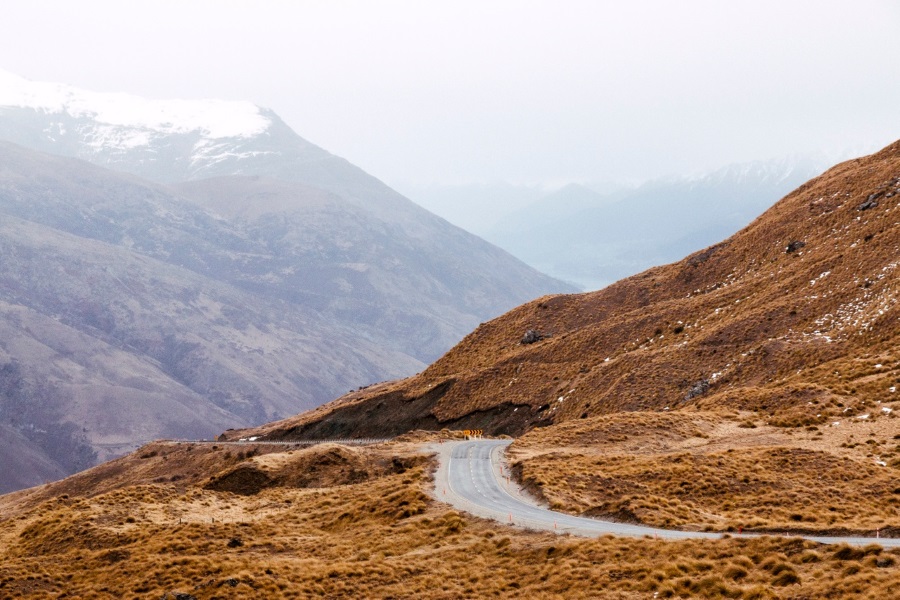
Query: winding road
[{"x": 472, "y": 476}]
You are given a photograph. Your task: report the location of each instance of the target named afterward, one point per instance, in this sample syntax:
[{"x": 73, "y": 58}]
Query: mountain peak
[
  {"x": 167, "y": 140},
  {"x": 211, "y": 119}
]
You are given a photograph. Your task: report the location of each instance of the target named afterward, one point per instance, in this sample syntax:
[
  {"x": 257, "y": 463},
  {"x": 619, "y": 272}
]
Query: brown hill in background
[{"x": 793, "y": 318}]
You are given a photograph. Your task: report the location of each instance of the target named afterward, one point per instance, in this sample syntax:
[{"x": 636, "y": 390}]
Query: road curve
[{"x": 471, "y": 477}]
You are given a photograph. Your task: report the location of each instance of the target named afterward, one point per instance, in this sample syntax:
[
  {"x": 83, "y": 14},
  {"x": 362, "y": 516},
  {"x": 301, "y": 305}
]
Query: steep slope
[
  {"x": 31, "y": 465},
  {"x": 407, "y": 279},
  {"x": 186, "y": 140},
  {"x": 109, "y": 348},
  {"x": 164, "y": 140},
  {"x": 794, "y": 318},
  {"x": 172, "y": 141}
]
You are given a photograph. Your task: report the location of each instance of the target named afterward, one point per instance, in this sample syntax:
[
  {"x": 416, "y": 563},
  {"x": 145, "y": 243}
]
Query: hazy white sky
[{"x": 467, "y": 91}]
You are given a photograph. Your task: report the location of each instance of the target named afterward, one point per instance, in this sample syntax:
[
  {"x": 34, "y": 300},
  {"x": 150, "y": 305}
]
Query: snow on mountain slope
[
  {"x": 142, "y": 118},
  {"x": 172, "y": 141},
  {"x": 164, "y": 140}
]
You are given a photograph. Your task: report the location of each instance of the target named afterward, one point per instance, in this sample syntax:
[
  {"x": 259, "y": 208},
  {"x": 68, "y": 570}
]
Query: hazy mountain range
[
  {"x": 593, "y": 235},
  {"x": 265, "y": 277},
  {"x": 748, "y": 390}
]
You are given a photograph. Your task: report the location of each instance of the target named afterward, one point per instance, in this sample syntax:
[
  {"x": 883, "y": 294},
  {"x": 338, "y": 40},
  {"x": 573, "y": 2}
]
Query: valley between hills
[{"x": 749, "y": 387}]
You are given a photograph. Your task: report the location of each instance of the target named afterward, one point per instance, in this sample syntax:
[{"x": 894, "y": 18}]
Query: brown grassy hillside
[
  {"x": 719, "y": 471},
  {"x": 794, "y": 318}
]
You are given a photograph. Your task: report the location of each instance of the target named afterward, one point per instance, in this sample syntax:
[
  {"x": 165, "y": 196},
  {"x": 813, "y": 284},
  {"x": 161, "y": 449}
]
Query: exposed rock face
[
  {"x": 531, "y": 336},
  {"x": 698, "y": 389},
  {"x": 794, "y": 245},
  {"x": 871, "y": 202}
]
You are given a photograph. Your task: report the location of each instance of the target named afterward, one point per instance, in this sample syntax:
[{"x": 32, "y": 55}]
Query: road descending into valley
[{"x": 472, "y": 476}]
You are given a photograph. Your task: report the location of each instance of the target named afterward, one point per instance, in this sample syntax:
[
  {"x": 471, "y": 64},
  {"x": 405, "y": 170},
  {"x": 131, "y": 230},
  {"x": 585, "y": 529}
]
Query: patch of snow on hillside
[
  {"x": 213, "y": 118},
  {"x": 820, "y": 277},
  {"x": 859, "y": 314},
  {"x": 207, "y": 153},
  {"x": 106, "y": 136}
]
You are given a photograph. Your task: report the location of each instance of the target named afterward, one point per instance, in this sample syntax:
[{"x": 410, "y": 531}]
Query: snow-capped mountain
[
  {"x": 163, "y": 140},
  {"x": 143, "y": 118}
]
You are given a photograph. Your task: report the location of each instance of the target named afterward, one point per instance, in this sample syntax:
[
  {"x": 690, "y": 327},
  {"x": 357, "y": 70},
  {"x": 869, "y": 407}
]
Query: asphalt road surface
[{"x": 472, "y": 476}]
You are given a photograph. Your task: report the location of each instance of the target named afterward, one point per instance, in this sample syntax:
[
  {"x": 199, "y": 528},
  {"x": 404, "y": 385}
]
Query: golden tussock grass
[
  {"x": 383, "y": 538},
  {"x": 711, "y": 471},
  {"x": 749, "y": 385}
]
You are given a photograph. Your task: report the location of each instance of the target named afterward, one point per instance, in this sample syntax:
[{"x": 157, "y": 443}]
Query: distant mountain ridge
[
  {"x": 595, "y": 239},
  {"x": 125, "y": 318}
]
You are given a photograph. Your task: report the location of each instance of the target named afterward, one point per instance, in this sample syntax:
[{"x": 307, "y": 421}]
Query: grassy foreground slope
[{"x": 157, "y": 524}]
